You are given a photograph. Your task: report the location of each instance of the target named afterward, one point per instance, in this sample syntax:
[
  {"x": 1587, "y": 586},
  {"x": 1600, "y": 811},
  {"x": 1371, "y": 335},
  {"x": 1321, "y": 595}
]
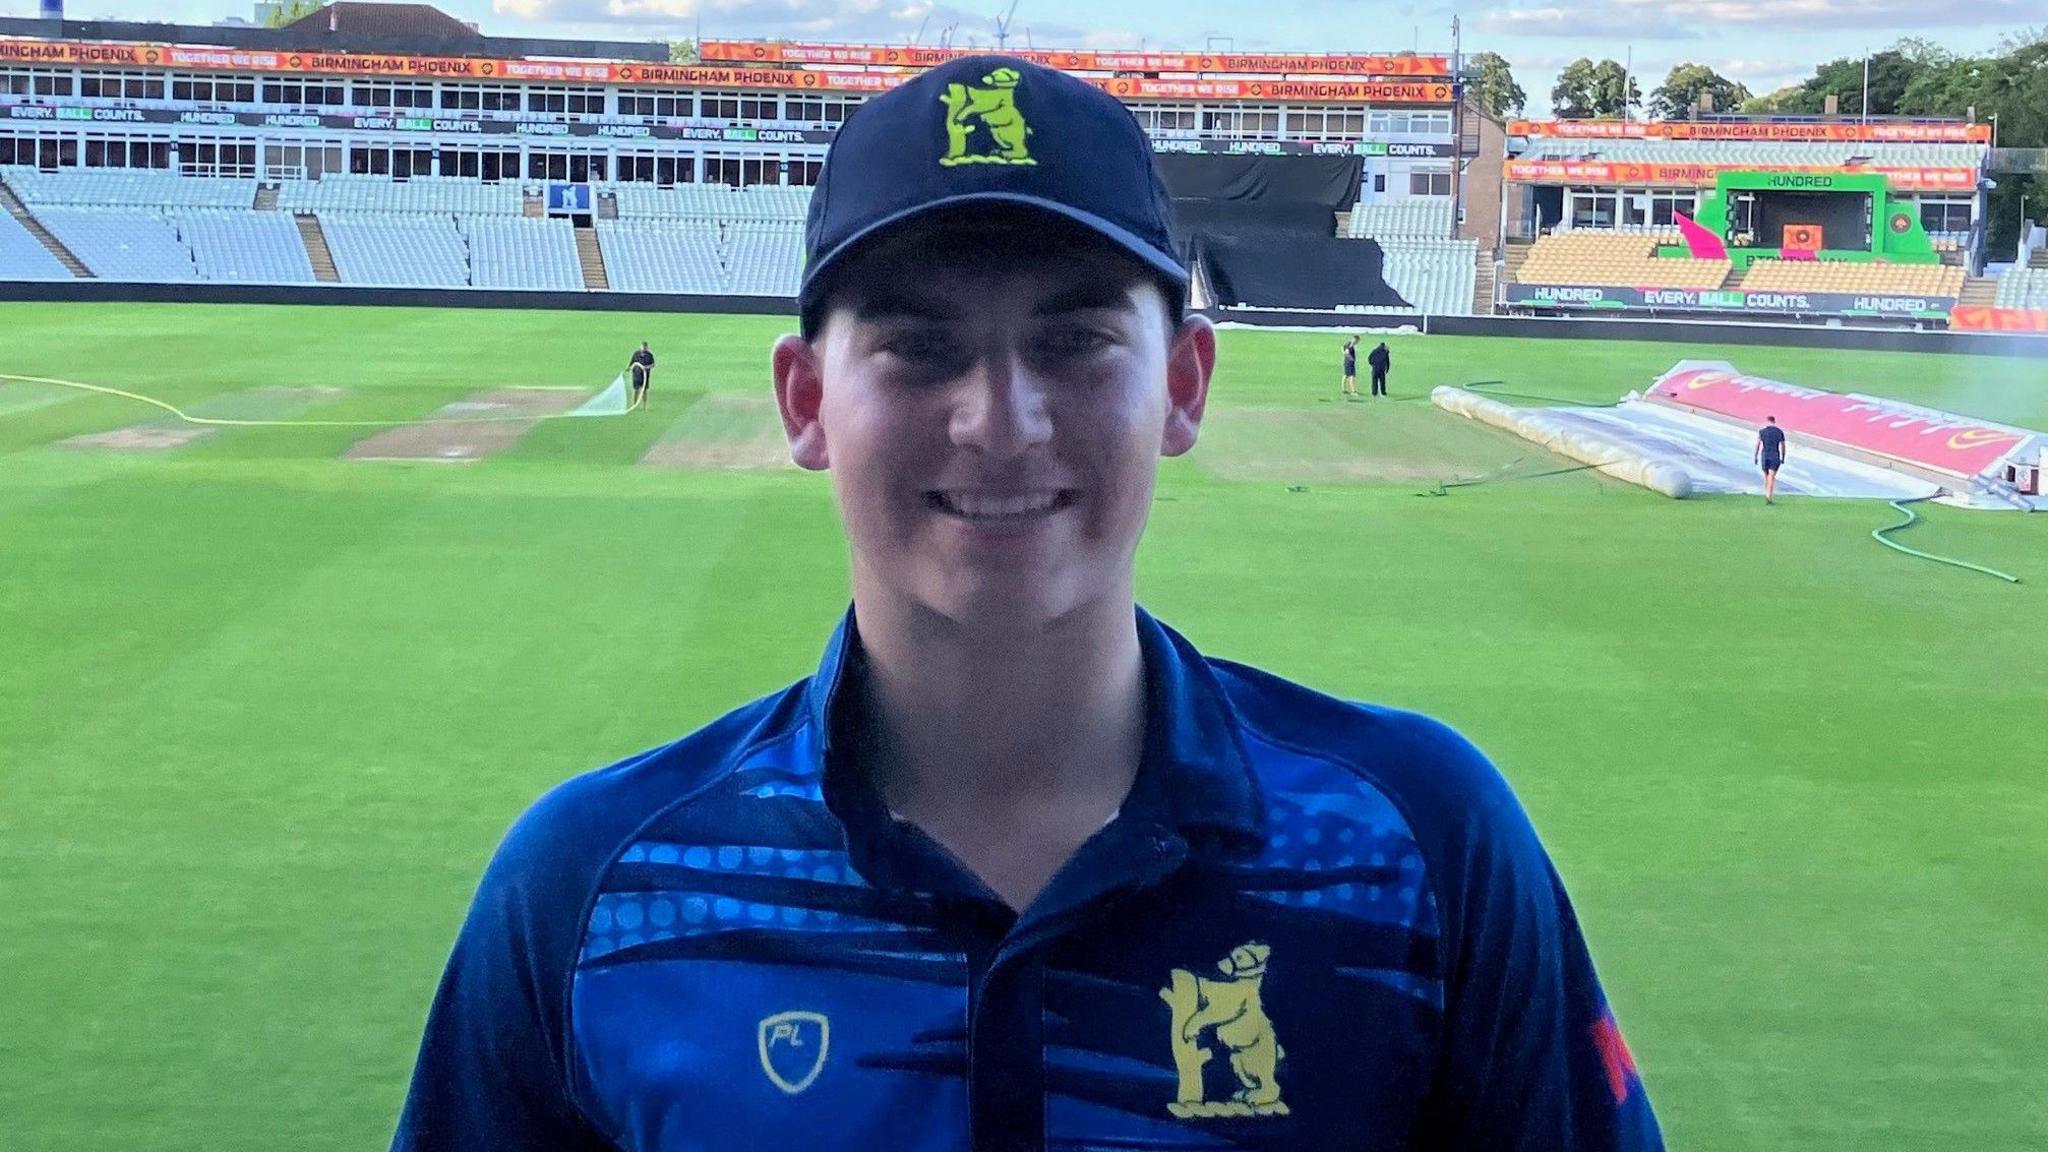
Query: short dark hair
[{"x": 1772, "y": 419}]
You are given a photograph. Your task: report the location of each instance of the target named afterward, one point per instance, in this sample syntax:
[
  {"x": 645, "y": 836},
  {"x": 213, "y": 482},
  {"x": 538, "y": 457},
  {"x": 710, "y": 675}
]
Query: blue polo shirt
[{"x": 1313, "y": 925}]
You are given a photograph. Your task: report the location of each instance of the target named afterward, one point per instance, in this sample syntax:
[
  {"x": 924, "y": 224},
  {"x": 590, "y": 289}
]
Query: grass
[{"x": 263, "y": 712}]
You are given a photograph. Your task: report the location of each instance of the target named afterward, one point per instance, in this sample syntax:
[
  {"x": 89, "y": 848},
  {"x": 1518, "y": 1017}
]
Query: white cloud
[
  {"x": 1617, "y": 20},
  {"x": 1690, "y": 19},
  {"x": 877, "y": 21},
  {"x": 1762, "y": 76}
]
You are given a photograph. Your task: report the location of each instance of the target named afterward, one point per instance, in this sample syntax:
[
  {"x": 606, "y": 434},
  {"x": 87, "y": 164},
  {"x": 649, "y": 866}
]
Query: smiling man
[{"x": 1018, "y": 867}]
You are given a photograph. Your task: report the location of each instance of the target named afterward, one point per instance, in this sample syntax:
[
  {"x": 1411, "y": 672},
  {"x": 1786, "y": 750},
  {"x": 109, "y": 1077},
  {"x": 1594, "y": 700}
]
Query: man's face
[{"x": 993, "y": 410}]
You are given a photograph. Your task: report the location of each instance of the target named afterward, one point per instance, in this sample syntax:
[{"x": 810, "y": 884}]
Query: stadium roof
[
  {"x": 350, "y": 35},
  {"x": 423, "y": 22}
]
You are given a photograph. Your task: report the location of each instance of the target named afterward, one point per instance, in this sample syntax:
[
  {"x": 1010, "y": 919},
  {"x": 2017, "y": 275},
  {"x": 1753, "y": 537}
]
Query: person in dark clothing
[
  {"x": 1380, "y": 361},
  {"x": 1351, "y": 369},
  {"x": 1770, "y": 453},
  {"x": 642, "y": 368}
]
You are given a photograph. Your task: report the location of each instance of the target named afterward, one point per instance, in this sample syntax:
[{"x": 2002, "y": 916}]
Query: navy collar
[{"x": 1194, "y": 783}]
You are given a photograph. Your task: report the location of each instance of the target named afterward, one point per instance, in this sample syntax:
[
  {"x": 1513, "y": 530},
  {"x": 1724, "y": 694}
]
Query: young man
[
  {"x": 642, "y": 368},
  {"x": 1351, "y": 369},
  {"x": 1769, "y": 452},
  {"x": 1018, "y": 868},
  {"x": 1380, "y": 361}
]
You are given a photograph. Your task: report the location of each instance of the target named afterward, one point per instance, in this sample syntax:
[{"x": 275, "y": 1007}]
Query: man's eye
[
  {"x": 915, "y": 347},
  {"x": 1075, "y": 340}
]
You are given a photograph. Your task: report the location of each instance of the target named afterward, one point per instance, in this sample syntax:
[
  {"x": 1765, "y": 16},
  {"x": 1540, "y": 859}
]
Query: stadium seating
[
  {"x": 1585, "y": 256},
  {"x": 773, "y": 202},
  {"x": 709, "y": 202},
  {"x": 23, "y": 257},
  {"x": 763, "y": 258},
  {"x": 443, "y": 195},
  {"x": 522, "y": 252},
  {"x": 121, "y": 243},
  {"x": 245, "y": 246},
  {"x": 2023, "y": 287},
  {"x": 141, "y": 188},
  {"x": 1435, "y": 275},
  {"x": 1429, "y": 269},
  {"x": 1414, "y": 216},
  {"x": 1848, "y": 276},
  {"x": 662, "y": 255},
  {"x": 398, "y": 250}
]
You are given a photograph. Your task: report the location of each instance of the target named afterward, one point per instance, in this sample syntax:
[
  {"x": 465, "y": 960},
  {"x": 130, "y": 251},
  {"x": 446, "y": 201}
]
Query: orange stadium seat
[
  {"x": 1584, "y": 256},
  {"x": 1861, "y": 278}
]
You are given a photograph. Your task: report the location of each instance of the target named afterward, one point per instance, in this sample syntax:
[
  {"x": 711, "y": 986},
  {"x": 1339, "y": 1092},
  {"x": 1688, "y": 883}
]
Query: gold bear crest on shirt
[{"x": 1211, "y": 1016}]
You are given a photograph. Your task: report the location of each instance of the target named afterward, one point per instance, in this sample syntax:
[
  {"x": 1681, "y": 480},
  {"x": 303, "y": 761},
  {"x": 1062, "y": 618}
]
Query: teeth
[{"x": 998, "y": 507}]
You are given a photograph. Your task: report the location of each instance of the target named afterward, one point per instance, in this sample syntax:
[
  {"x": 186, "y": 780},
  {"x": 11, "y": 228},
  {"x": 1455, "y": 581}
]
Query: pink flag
[{"x": 1704, "y": 244}]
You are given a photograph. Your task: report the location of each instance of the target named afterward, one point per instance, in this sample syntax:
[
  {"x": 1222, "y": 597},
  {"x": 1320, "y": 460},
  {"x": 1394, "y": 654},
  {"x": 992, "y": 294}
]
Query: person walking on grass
[
  {"x": 642, "y": 368},
  {"x": 1019, "y": 867},
  {"x": 1351, "y": 369},
  {"x": 1380, "y": 361},
  {"x": 1770, "y": 453}
]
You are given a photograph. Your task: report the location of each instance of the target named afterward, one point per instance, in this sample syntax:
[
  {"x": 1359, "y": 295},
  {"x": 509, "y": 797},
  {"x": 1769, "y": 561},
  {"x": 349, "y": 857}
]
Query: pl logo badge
[{"x": 793, "y": 1046}]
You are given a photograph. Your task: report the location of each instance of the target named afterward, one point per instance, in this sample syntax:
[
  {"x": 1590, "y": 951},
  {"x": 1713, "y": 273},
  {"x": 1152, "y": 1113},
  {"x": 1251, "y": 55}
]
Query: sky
[{"x": 1765, "y": 44}]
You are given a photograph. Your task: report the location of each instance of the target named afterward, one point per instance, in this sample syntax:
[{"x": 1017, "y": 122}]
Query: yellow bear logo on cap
[{"x": 993, "y": 108}]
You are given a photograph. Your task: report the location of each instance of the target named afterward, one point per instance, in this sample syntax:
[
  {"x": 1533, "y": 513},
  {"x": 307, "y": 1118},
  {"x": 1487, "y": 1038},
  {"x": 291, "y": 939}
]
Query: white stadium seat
[
  {"x": 2023, "y": 287},
  {"x": 240, "y": 245},
  {"x": 23, "y": 257},
  {"x": 121, "y": 243},
  {"x": 396, "y": 250},
  {"x": 522, "y": 252},
  {"x": 649, "y": 255}
]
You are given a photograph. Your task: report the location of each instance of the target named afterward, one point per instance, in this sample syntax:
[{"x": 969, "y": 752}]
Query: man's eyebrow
[
  {"x": 1085, "y": 297},
  {"x": 886, "y": 304}
]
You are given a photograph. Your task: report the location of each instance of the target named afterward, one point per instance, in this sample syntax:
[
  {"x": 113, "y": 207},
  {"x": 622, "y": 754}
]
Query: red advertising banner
[
  {"x": 1883, "y": 132},
  {"x": 1955, "y": 445},
  {"x": 1703, "y": 175},
  {"x": 1256, "y": 63},
  {"x": 1979, "y": 318},
  {"x": 1299, "y": 91},
  {"x": 163, "y": 56}
]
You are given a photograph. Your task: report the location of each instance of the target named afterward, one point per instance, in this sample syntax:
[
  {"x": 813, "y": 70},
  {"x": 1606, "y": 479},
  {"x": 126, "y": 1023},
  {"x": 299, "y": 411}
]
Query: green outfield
[{"x": 266, "y": 708}]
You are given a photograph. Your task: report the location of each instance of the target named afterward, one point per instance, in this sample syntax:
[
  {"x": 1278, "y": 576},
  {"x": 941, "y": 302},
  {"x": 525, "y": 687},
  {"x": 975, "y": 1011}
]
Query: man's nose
[{"x": 1003, "y": 408}]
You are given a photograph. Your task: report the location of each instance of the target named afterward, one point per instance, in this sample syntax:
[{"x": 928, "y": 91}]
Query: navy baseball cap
[{"x": 988, "y": 130}]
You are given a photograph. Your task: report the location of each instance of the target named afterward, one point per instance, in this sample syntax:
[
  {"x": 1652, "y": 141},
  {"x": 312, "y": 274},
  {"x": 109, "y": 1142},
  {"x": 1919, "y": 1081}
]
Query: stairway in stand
[
  {"x": 1482, "y": 284},
  {"x": 316, "y": 248},
  {"x": 591, "y": 257},
  {"x": 1517, "y": 255},
  {"x": 20, "y": 212}
]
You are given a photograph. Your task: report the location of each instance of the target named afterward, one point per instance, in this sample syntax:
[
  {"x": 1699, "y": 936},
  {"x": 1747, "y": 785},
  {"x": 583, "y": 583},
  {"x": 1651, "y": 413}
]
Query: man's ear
[
  {"x": 799, "y": 394},
  {"x": 1190, "y": 361}
]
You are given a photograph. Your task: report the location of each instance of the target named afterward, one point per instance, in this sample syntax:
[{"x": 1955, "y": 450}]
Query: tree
[
  {"x": 682, "y": 52},
  {"x": 1772, "y": 102},
  {"x": 1915, "y": 78},
  {"x": 1495, "y": 90},
  {"x": 1891, "y": 71},
  {"x": 288, "y": 11},
  {"x": 1587, "y": 91},
  {"x": 1684, "y": 86}
]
